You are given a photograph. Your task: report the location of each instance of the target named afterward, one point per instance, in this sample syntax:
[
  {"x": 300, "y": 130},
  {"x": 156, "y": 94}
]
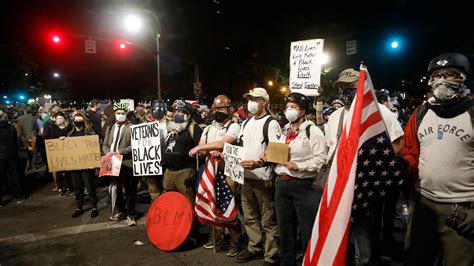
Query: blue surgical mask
[{"x": 179, "y": 119}]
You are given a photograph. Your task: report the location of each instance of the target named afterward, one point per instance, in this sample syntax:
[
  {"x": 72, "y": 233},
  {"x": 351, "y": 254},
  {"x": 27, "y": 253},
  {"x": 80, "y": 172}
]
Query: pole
[{"x": 158, "y": 65}]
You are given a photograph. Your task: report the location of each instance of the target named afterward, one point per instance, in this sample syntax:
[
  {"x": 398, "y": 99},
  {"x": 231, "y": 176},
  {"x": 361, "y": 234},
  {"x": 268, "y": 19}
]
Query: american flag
[
  {"x": 363, "y": 126},
  {"x": 215, "y": 202},
  {"x": 378, "y": 174}
]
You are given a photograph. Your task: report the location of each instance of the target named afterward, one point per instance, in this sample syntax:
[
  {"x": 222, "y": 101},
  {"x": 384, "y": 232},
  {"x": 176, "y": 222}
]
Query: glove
[{"x": 466, "y": 227}]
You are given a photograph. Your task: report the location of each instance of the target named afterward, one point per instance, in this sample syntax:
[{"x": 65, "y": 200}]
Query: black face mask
[
  {"x": 220, "y": 116},
  {"x": 79, "y": 124},
  {"x": 347, "y": 95}
]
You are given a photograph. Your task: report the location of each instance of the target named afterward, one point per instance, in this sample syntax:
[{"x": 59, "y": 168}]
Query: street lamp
[
  {"x": 270, "y": 83},
  {"x": 56, "y": 75},
  {"x": 133, "y": 23}
]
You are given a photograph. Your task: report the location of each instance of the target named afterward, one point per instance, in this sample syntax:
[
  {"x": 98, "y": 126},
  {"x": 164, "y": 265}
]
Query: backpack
[
  {"x": 422, "y": 110},
  {"x": 226, "y": 127},
  {"x": 265, "y": 130},
  {"x": 191, "y": 129}
]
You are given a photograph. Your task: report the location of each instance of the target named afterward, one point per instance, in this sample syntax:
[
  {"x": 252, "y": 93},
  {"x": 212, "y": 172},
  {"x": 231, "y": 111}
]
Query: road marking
[{"x": 72, "y": 230}]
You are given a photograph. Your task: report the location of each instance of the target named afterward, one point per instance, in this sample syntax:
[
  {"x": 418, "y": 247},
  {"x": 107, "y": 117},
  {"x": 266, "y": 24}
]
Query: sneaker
[
  {"x": 209, "y": 244},
  {"x": 20, "y": 201},
  {"x": 246, "y": 256},
  {"x": 77, "y": 213},
  {"x": 131, "y": 221},
  {"x": 94, "y": 213},
  {"x": 117, "y": 217},
  {"x": 232, "y": 252}
]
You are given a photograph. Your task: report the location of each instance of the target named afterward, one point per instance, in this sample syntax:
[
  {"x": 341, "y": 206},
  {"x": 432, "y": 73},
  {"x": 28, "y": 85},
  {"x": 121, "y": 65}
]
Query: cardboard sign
[
  {"x": 75, "y": 153},
  {"x": 305, "y": 66},
  {"x": 233, "y": 155},
  {"x": 110, "y": 165},
  {"x": 169, "y": 220},
  {"x": 146, "y": 149},
  {"x": 277, "y": 152}
]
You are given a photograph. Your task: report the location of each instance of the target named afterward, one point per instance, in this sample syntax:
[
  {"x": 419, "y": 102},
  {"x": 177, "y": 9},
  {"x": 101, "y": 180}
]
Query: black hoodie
[{"x": 8, "y": 142}]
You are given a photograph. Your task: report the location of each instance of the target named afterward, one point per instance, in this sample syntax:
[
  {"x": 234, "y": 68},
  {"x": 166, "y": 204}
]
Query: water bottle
[{"x": 405, "y": 214}]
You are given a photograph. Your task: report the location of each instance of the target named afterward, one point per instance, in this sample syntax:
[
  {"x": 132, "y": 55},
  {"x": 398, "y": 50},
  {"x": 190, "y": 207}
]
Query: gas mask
[
  {"x": 445, "y": 90},
  {"x": 347, "y": 95}
]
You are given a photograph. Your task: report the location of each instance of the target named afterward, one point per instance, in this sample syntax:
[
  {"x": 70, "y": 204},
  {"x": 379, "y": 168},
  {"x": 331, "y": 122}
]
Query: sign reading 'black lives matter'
[{"x": 146, "y": 149}]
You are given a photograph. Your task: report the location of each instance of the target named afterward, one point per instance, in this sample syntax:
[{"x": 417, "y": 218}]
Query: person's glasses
[{"x": 446, "y": 75}]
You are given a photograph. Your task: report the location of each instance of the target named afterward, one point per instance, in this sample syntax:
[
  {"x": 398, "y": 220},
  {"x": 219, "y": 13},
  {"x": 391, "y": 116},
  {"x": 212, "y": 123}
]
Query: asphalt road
[{"x": 40, "y": 231}]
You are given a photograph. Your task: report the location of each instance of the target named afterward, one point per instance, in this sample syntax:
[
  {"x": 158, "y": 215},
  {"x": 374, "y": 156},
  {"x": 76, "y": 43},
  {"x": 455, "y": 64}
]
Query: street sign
[
  {"x": 351, "y": 47},
  {"x": 90, "y": 46}
]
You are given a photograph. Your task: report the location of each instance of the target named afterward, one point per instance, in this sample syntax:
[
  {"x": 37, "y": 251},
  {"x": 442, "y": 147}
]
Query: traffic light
[
  {"x": 55, "y": 39},
  {"x": 122, "y": 45}
]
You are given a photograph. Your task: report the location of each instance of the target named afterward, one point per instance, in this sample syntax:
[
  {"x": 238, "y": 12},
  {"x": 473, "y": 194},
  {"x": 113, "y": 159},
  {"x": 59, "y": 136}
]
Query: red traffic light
[
  {"x": 122, "y": 45},
  {"x": 56, "y": 39}
]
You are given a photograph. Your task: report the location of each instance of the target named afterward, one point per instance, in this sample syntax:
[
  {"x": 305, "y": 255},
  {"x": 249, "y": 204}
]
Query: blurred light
[
  {"x": 22, "y": 97},
  {"x": 4, "y": 97},
  {"x": 324, "y": 58},
  {"x": 26, "y": 74},
  {"x": 56, "y": 75},
  {"x": 270, "y": 83},
  {"x": 56, "y": 39},
  {"x": 133, "y": 23},
  {"x": 122, "y": 45},
  {"x": 394, "y": 44},
  {"x": 283, "y": 89},
  {"x": 8, "y": 102}
]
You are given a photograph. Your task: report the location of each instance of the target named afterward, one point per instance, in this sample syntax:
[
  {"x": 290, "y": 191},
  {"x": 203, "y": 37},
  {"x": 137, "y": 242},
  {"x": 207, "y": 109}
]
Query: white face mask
[
  {"x": 252, "y": 107},
  {"x": 291, "y": 114},
  {"x": 120, "y": 118}
]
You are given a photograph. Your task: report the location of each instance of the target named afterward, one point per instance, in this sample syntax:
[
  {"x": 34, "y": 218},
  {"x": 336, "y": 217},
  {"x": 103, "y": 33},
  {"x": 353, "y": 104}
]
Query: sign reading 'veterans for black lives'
[
  {"x": 306, "y": 59},
  {"x": 146, "y": 149}
]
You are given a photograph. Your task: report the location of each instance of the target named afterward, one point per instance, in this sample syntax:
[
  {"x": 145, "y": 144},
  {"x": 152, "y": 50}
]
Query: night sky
[{"x": 237, "y": 44}]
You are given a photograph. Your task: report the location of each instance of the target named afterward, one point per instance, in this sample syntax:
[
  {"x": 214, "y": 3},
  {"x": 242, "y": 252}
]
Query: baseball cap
[
  {"x": 257, "y": 93},
  {"x": 347, "y": 76}
]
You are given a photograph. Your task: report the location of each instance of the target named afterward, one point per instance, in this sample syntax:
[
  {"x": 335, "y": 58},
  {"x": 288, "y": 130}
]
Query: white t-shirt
[
  {"x": 394, "y": 129},
  {"x": 446, "y": 163},
  {"x": 252, "y": 138},
  {"x": 308, "y": 154},
  {"x": 215, "y": 131}
]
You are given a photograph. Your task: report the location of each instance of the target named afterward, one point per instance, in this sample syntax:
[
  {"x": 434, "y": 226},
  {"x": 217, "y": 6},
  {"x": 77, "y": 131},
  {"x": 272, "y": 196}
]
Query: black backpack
[{"x": 265, "y": 130}]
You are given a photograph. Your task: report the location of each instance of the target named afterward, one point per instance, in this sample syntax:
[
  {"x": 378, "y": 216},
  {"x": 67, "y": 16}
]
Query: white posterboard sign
[
  {"x": 130, "y": 103},
  {"x": 146, "y": 149},
  {"x": 305, "y": 66},
  {"x": 233, "y": 155}
]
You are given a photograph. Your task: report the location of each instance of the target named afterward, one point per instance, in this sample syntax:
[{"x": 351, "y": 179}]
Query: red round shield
[{"x": 169, "y": 220}]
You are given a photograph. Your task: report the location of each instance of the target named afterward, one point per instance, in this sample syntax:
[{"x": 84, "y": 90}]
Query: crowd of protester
[{"x": 279, "y": 202}]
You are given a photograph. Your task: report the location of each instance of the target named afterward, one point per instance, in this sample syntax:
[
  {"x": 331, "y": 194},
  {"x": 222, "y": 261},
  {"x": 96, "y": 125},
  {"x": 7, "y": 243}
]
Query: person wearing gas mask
[
  {"x": 118, "y": 140},
  {"x": 222, "y": 130},
  {"x": 258, "y": 202},
  {"x": 158, "y": 111},
  {"x": 439, "y": 155},
  {"x": 183, "y": 135},
  {"x": 296, "y": 201},
  {"x": 363, "y": 231}
]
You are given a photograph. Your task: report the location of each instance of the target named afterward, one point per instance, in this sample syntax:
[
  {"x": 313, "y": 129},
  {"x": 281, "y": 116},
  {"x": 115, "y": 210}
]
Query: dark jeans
[
  {"x": 21, "y": 167},
  {"x": 129, "y": 182},
  {"x": 9, "y": 168},
  {"x": 84, "y": 179},
  {"x": 295, "y": 202}
]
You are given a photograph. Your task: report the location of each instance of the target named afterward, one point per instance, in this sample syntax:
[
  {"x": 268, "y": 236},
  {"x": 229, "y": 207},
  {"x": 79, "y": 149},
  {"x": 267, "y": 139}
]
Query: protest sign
[
  {"x": 277, "y": 152},
  {"x": 233, "y": 155},
  {"x": 74, "y": 153},
  {"x": 110, "y": 164},
  {"x": 146, "y": 149},
  {"x": 305, "y": 66}
]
